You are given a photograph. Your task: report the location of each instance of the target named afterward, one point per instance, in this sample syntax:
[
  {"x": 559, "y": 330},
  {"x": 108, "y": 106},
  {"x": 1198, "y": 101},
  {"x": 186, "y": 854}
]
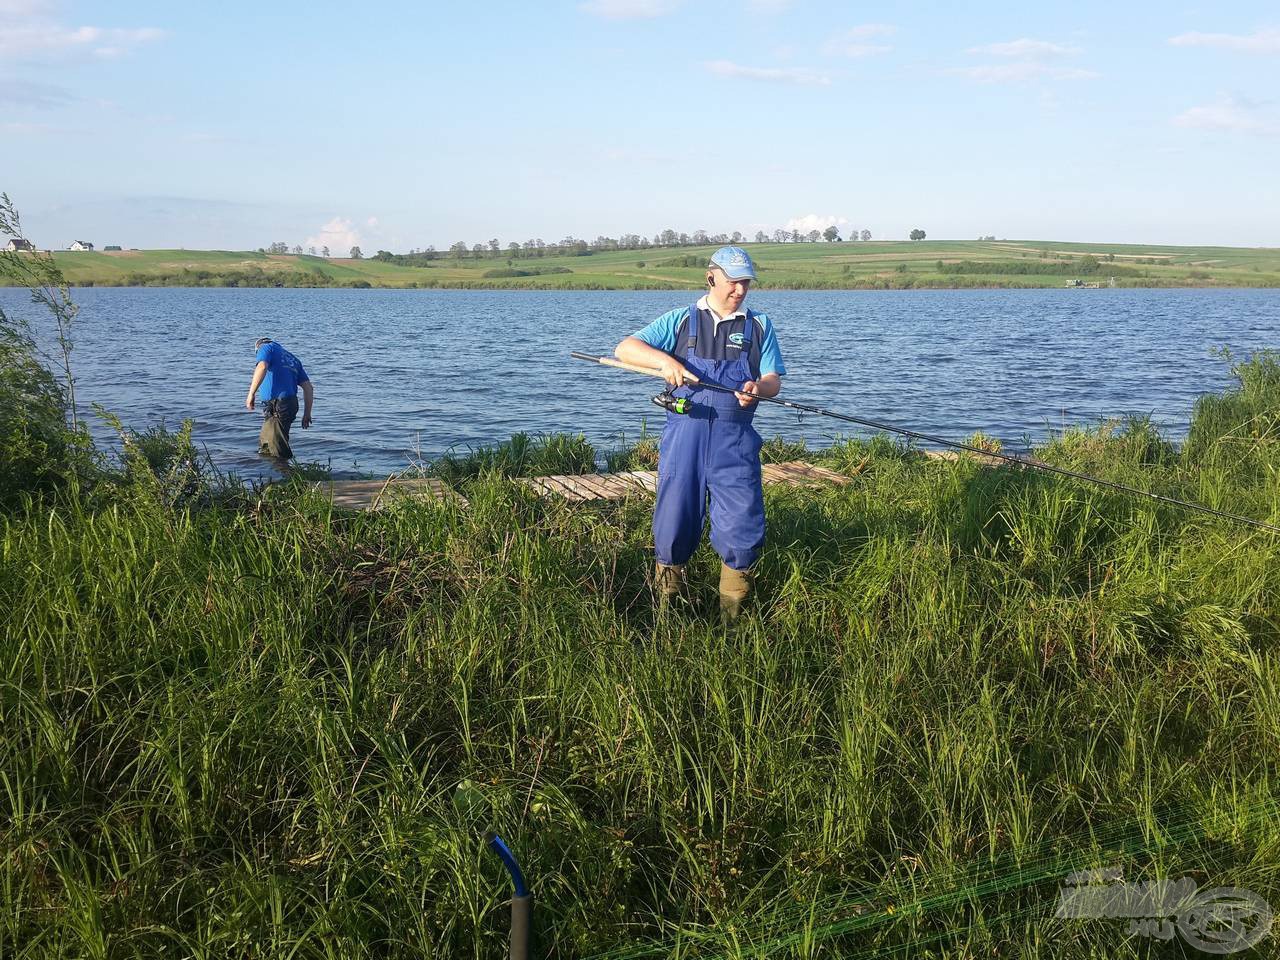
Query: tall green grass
[
  {"x": 239, "y": 729},
  {"x": 524, "y": 455}
]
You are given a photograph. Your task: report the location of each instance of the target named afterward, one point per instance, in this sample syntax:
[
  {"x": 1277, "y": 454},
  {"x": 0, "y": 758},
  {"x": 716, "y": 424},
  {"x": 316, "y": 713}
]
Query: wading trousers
[{"x": 278, "y": 416}]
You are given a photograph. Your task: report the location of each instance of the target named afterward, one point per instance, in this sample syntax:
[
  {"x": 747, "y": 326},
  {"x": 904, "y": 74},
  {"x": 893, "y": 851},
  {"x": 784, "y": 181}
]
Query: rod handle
[
  {"x": 521, "y": 923},
  {"x": 621, "y": 365}
]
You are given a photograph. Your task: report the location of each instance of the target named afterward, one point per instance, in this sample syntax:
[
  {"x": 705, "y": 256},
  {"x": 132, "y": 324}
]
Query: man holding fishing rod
[{"x": 711, "y": 452}]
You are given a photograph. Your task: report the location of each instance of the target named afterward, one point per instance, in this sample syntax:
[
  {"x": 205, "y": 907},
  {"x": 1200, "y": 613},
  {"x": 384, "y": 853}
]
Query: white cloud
[
  {"x": 629, "y": 9},
  {"x": 28, "y": 129},
  {"x": 1026, "y": 62},
  {"x": 24, "y": 8},
  {"x": 1022, "y": 72},
  {"x": 1231, "y": 115},
  {"x": 855, "y": 42},
  {"x": 637, "y": 156},
  {"x": 836, "y": 49},
  {"x": 26, "y": 93},
  {"x": 796, "y": 75},
  {"x": 339, "y": 235},
  {"x": 867, "y": 30},
  {"x": 30, "y": 32},
  {"x": 1026, "y": 48},
  {"x": 205, "y": 137},
  {"x": 1261, "y": 41},
  {"x": 814, "y": 221}
]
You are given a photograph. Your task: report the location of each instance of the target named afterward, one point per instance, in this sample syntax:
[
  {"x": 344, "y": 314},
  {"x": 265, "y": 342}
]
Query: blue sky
[{"x": 231, "y": 126}]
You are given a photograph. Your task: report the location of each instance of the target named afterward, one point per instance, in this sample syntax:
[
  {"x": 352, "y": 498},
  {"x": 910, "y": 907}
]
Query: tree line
[
  {"x": 572, "y": 246},
  {"x": 281, "y": 247}
]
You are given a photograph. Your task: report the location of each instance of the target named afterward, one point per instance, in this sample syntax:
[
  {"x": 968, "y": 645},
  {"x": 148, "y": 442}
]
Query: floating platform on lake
[{"x": 576, "y": 488}]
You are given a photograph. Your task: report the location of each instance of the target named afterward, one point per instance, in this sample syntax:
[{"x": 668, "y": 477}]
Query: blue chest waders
[{"x": 711, "y": 454}]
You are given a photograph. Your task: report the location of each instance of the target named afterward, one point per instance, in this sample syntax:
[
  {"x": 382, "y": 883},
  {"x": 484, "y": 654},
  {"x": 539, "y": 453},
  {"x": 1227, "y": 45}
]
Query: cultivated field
[{"x": 855, "y": 265}]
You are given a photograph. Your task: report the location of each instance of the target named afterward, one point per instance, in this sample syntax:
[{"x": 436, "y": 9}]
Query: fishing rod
[{"x": 675, "y": 406}]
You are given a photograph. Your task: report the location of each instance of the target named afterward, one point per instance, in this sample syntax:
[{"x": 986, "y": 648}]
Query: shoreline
[{"x": 602, "y": 288}]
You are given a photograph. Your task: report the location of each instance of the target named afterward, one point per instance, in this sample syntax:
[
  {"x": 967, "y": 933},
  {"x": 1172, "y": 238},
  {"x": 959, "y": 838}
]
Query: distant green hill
[{"x": 802, "y": 266}]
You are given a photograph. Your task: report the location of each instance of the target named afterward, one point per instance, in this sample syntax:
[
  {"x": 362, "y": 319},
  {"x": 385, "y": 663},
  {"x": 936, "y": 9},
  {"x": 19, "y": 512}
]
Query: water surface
[{"x": 402, "y": 374}]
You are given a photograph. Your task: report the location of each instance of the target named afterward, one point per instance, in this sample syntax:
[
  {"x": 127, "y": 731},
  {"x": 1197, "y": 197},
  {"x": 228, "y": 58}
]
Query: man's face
[{"x": 728, "y": 293}]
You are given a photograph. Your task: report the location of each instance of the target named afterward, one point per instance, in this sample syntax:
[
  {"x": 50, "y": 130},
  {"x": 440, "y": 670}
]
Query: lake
[{"x": 407, "y": 374}]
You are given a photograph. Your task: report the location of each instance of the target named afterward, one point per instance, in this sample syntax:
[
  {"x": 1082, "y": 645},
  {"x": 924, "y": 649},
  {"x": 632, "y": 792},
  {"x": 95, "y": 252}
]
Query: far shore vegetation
[{"x": 804, "y": 265}]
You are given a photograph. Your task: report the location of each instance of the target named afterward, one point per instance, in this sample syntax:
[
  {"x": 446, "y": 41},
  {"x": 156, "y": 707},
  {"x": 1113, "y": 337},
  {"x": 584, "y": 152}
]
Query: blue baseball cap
[{"x": 735, "y": 262}]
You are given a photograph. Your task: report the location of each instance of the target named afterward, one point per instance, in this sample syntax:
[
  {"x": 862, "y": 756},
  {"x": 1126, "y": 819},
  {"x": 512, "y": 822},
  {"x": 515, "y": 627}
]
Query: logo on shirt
[{"x": 735, "y": 339}]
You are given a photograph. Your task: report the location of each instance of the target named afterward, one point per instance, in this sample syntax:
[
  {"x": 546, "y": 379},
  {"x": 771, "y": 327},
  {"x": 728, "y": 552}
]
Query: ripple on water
[{"x": 402, "y": 370}]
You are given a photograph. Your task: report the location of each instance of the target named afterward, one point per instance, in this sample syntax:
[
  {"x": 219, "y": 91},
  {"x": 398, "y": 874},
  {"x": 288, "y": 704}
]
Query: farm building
[
  {"x": 80, "y": 245},
  {"x": 19, "y": 244}
]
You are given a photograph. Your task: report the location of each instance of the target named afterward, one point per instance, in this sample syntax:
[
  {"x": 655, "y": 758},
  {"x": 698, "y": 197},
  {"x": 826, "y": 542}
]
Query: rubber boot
[
  {"x": 670, "y": 582},
  {"x": 735, "y": 588}
]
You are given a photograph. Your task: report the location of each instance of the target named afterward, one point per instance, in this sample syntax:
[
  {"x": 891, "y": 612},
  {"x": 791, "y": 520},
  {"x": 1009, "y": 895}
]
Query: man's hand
[
  {"x": 248, "y": 402},
  {"x": 747, "y": 395},
  {"x": 635, "y": 351},
  {"x": 674, "y": 372},
  {"x": 308, "y": 397}
]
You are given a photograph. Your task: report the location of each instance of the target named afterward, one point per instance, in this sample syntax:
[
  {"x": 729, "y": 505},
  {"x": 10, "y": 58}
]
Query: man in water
[
  {"x": 275, "y": 381},
  {"x": 713, "y": 450}
]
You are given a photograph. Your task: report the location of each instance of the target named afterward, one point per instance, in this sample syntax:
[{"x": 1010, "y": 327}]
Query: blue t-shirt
[
  {"x": 284, "y": 372},
  {"x": 661, "y": 334}
]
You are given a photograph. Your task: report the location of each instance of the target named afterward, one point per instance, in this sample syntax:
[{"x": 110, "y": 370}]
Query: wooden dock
[
  {"x": 576, "y": 488},
  {"x": 375, "y": 494}
]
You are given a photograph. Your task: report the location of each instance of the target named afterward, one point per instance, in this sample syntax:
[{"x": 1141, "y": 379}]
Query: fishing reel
[{"x": 670, "y": 403}]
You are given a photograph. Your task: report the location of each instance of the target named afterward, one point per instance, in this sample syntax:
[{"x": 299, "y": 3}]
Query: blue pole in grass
[{"x": 521, "y": 900}]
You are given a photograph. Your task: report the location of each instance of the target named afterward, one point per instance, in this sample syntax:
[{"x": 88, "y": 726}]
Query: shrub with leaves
[
  {"x": 163, "y": 464},
  {"x": 35, "y": 443},
  {"x": 38, "y": 450}
]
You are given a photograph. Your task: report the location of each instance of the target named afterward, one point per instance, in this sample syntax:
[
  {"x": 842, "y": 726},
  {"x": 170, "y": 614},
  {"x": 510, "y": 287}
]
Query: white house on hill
[
  {"x": 14, "y": 245},
  {"x": 80, "y": 245}
]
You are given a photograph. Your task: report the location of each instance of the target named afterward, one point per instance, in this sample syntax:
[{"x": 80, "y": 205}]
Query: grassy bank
[
  {"x": 851, "y": 265},
  {"x": 238, "y": 724}
]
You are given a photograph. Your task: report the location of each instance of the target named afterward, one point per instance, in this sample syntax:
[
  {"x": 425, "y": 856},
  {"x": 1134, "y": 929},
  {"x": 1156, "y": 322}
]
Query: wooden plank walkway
[
  {"x": 580, "y": 488},
  {"x": 595, "y": 486},
  {"x": 797, "y": 473},
  {"x": 373, "y": 494},
  {"x": 576, "y": 488}
]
